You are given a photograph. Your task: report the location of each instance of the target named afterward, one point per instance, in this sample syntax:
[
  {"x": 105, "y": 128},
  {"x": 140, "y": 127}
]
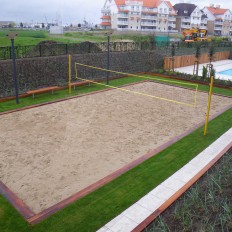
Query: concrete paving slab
[
  {"x": 136, "y": 213},
  {"x": 219, "y": 66},
  {"x": 173, "y": 183},
  {"x": 152, "y": 202},
  {"x": 123, "y": 225},
  {"x": 162, "y": 192}
]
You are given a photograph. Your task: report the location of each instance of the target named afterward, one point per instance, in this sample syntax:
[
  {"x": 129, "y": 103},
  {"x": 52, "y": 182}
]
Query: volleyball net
[{"x": 177, "y": 92}]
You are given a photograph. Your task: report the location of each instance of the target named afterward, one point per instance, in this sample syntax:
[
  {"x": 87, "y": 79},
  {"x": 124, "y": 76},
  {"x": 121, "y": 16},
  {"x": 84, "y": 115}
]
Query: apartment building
[
  {"x": 219, "y": 20},
  {"x": 189, "y": 16},
  {"x": 138, "y": 15}
]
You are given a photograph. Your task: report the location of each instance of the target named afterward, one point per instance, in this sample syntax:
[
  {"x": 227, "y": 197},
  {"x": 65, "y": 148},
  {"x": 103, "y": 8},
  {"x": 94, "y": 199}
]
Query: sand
[{"x": 51, "y": 152}]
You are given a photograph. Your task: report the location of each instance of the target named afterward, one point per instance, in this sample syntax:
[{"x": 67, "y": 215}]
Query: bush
[{"x": 204, "y": 73}]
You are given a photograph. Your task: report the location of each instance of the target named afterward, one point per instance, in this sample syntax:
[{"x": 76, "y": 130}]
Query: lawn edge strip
[{"x": 181, "y": 191}]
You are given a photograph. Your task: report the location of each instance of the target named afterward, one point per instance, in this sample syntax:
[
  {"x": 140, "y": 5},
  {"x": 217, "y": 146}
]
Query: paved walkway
[
  {"x": 151, "y": 205},
  {"x": 221, "y": 65}
]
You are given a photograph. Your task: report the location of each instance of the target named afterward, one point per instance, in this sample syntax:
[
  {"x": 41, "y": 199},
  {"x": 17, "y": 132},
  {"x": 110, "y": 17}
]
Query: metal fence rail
[{"x": 45, "y": 50}]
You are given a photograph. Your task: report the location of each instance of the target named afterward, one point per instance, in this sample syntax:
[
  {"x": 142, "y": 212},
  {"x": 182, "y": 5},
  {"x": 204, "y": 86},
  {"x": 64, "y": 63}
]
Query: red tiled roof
[
  {"x": 146, "y": 3},
  {"x": 120, "y": 2},
  {"x": 170, "y": 5},
  {"x": 151, "y": 3},
  {"x": 105, "y": 17},
  {"x": 105, "y": 23},
  {"x": 217, "y": 11}
]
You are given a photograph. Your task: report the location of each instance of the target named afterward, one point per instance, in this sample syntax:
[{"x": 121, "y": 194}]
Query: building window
[{"x": 185, "y": 11}]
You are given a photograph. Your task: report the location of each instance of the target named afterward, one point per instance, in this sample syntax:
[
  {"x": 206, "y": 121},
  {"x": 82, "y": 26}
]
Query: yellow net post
[
  {"x": 209, "y": 104},
  {"x": 69, "y": 75}
]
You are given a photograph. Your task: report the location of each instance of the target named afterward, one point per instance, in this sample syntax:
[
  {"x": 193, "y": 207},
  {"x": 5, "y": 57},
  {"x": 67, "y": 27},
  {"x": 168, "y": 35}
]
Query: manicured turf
[
  {"x": 10, "y": 105},
  {"x": 96, "y": 209}
]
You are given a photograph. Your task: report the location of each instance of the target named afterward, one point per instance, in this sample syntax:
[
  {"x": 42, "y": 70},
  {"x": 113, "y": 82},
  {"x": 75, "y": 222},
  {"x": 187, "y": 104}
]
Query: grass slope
[{"x": 33, "y": 37}]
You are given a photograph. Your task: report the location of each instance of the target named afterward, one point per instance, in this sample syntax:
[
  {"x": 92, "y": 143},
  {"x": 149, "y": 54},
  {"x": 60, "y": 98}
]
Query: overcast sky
[{"x": 70, "y": 11}]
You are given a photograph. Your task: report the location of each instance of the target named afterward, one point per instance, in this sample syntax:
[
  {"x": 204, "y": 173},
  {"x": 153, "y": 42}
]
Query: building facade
[
  {"x": 140, "y": 15},
  {"x": 219, "y": 20},
  {"x": 189, "y": 16}
]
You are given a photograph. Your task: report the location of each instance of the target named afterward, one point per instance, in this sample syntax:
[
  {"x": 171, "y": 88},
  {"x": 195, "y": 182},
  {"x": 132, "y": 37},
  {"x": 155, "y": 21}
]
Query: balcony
[
  {"x": 122, "y": 22},
  {"x": 146, "y": 29},
  {"x": 218, "y": 23},
  {"x": 172, "y": 19},
  {"x": 186, "y": 20},
  {"x": 148, "y": 17},
  {"x": 203, "y": 27},
  {"x": 185, "y": 26},
  {"x": 122, "y": 15},
  {"x": 172, "y": 24},
  {"x": 217, "y": 28},
  {"x": 149, "y": 24}
]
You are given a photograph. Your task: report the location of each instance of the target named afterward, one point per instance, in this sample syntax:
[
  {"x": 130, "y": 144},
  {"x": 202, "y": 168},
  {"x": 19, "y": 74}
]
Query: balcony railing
[
  {"x": 122, "y": 22},
  {"x": 148, "y": 24},
  {"x": 171, "y": 19},
  {"x": 146, "y": 29},
  {"x": 149, "y": 17},
  {"x": 186, "y": 20},
  {"x": 218, "y": 28},
  {"x": 122, "y": 15},
  {"x": 218, "y": 23},
  {"x": 203, "y": 27},
  {"x": 185, "y": 26}
]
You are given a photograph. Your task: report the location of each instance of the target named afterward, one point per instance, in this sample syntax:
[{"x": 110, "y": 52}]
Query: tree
[
  {"x": 21, "y": 25},
  {"x": 79, "y": 25},
  {"x": 43, "y": 26},
  {"x": 211, "y": 53},
  {"x": 197, "y": 56},
  {"x": 173, "y": 53}
]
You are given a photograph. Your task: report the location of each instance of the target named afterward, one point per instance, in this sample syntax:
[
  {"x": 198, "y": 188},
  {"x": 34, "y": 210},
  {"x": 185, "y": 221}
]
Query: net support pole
[
  {"x": 108, "y": 58},
  {"x": 209, "y": 104},
  {"x": 69, "y": 75}
]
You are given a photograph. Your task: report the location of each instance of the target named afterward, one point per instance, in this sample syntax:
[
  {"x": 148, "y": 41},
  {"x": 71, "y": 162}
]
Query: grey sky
[{"x": 71, "y": 11}]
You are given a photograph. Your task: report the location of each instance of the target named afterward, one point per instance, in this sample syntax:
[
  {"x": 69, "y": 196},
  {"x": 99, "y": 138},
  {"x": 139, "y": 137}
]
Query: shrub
[{"x": 204, "y": 73}]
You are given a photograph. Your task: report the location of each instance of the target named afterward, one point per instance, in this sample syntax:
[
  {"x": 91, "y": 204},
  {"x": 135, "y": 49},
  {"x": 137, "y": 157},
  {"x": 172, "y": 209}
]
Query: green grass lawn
[
  {"x": 46, "y": 97},
  {"x": 33, "y": 37},
  {"x": 96, "y": 209}
]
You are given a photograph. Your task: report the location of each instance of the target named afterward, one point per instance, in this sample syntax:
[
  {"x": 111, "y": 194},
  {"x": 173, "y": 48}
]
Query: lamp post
[
  {"x": 12, "y": 36},
  {"x": 108, "y": 56}
]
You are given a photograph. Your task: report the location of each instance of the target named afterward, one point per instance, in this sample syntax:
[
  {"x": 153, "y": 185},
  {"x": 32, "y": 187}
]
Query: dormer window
[{"x": 185, "y": 11}]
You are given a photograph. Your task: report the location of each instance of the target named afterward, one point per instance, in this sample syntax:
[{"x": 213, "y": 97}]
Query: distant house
[
  {"x": 139, "y": 15},
  {"x": 219, "y": 20},
  {"x": 6, "y": 24},
  {"x": 189, "y": 16}
]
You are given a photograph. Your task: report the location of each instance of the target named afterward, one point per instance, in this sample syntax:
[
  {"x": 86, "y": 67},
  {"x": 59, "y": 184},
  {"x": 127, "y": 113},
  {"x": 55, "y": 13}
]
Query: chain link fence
[{"x": 45, "y": 50}]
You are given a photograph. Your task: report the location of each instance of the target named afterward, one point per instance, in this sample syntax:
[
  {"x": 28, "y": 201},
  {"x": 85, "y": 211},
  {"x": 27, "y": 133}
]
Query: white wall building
[
  {"x": 190, "y": 16},
  {"x": 219, "y": 20},
  {"x": 140, "y": 15}
]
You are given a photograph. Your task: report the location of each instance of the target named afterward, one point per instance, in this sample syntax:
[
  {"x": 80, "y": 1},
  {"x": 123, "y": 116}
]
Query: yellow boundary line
[{"x": 135, "y": 92}]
